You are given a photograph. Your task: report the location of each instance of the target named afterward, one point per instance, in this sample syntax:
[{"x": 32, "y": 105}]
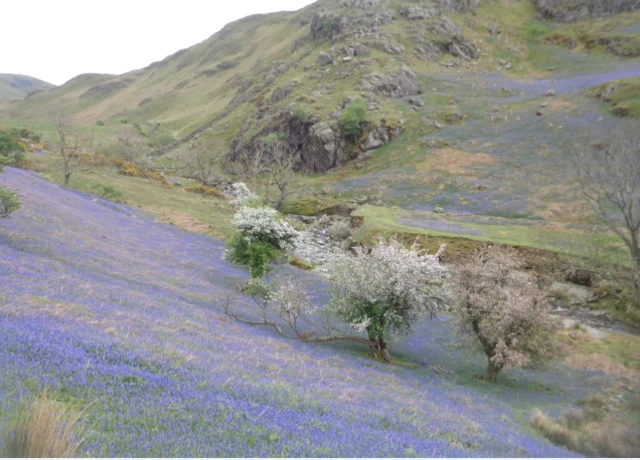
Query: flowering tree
[
  {"x": 10, "y": 151},
  {"x": 502, "y": 311},
  {"x": 386, "y": 291},
  {"x": 259, "y": 239}
]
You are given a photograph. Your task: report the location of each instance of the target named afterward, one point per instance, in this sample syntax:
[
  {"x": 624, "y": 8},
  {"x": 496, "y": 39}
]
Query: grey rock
[
  {"x": 360, "y": 4},
  {"x": 438, "y": 210},
  {"x": 387, "y": 46},
  {"x": 495, "y": 30},
  {"x": 282, "y": 92},
  {"x": 416, "y": 101},
  {"x": 394, "y": 85},
  {"x": 324, "y": 58},
  {"x": 550, "y": 93},
  {"x": 417, "y": 12},
  {"x": 361, "y": 50}
]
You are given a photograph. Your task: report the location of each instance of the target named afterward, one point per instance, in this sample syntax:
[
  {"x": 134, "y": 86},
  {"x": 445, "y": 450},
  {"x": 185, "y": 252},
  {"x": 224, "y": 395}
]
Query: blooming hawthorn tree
[
  {"x": 502, "y": 310},
  {"x": 386, "y": 291},
  {"x": 260, "y": 237}
]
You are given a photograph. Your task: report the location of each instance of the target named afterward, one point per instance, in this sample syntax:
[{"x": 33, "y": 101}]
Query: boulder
[
  {"x": 324, "y": 58},
  {"x": 360, "y": 50},
  {"x": 379, "y": 135},
  {"x": 394, "y": 85}
]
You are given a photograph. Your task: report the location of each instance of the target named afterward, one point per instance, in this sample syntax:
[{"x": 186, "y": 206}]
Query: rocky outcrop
[
  {"x": 386, "y": 44},
  {"x": 575, "y": 10},
  {"x": 417, "y": 12},
  {"x": 360, "y": 4},
  {"x": 449, "y": 40},
  {"x": 323, "y": 149},
  {"x": 379, "y": 135},
  {"x": 282, "y": 92},
  {"x": 327, "y": 25},
  {"x": 394, "y": 85},
  {"x": 459, "y": 6}
]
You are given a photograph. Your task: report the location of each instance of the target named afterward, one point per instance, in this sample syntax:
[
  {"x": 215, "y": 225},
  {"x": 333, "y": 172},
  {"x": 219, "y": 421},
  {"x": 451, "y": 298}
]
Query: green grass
[
  {"x": 173, "y": 205},
  {"x": 621, "y": 348},
  {"x": 624, "y": 100}
]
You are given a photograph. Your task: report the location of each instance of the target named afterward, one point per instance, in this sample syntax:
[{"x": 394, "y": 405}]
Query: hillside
[
  {"x": 19, "y": 86},
  {"x": 120, "y": 315}
]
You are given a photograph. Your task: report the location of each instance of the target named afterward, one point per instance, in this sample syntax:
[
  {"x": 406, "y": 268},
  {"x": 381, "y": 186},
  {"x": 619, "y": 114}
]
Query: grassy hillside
[
  {"x": 119, "y": 315},
  {"x": 18, "y": 86}
]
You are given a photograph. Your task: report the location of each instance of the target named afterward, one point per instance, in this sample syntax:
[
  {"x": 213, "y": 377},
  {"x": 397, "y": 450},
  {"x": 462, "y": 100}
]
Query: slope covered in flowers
[{"x": 103, "y": 305}]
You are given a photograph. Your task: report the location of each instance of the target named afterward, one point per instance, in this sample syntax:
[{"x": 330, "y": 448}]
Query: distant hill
[{"x": 19, "y": 86}]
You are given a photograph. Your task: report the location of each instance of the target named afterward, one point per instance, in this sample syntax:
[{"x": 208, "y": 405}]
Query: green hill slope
[{"x": 19, "y": 86}]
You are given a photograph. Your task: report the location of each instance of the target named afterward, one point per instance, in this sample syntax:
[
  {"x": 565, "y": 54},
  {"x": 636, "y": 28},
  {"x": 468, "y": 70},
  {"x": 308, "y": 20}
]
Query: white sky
[{"x": 55, "y": 40}]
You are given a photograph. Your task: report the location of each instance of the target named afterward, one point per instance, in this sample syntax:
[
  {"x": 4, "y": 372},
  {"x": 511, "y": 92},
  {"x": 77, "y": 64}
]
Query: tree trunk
[
  {"x": 67, "y": 176},
  {"x": 636, "y": 278},
  {"x": 492, "y": 371},
  {"x": 379, "y": 350}
]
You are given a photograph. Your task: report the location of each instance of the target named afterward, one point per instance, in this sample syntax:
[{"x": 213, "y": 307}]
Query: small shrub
[
  {"x": 108, "y": 192},
  {"x": 331, "y": 26},
  {"x": 99, "y": 123},
  {"x": 536, "y": 30},
  {"x": 9, "y": 202},
  {"x": 301, "y": 114},
  {"x": 340, "y": 230},
  {"x": 256, "y": 255},
  {"x": 127, "y": 168},
  {"x": 301, "y": 264},
  {"x": 204, "y": 190},
  {"x": 351, "y": 120},
  {"x": 46, "y": 429}
]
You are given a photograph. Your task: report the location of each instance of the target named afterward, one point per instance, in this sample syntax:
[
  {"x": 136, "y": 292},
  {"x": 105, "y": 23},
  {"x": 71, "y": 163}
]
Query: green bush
[
  {"x": 254, "y": 254},
  {"x": 99, "y": 123},
  {"x": 351, "y": 120},
  {"x": 9, "y": 201},
  {"x": 536, "y": 30},
  {"x": 330, "y": 26}
]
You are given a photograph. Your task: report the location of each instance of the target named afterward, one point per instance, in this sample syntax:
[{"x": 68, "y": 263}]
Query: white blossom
[
  {"x": 242, "y": 194},
  {"x": 263, "y": 225},
  {"x": 391, "y": 286}
]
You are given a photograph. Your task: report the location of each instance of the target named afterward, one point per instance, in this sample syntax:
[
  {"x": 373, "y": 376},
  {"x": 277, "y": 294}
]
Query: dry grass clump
[
  {"x": 591, "y": 430},
  {"x": 46, "y": 428}
]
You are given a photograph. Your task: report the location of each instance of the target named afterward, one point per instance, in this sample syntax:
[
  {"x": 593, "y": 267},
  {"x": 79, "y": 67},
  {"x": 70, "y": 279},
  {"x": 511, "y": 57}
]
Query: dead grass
[
  {"x": 47, "y": 428},
  {"x": 456, "y": 162},
  {"x": 597, "y": 362},
  {"x": 181, "y": 220},
  {"x": 592, "y": 430}
]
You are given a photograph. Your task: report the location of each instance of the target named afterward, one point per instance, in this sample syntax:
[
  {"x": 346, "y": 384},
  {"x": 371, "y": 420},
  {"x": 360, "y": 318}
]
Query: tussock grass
[
  {"x": 593, "y": 430},
  {"x": 47, "y": 428}
]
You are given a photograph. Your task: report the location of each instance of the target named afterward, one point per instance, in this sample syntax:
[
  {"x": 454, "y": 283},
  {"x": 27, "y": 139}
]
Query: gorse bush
[
  {"x": 386, "y": 291},
  {"x": 47, "y": 429},
  {"x": 351, "y": 120},
  {"x": 204, "y": 190}
]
